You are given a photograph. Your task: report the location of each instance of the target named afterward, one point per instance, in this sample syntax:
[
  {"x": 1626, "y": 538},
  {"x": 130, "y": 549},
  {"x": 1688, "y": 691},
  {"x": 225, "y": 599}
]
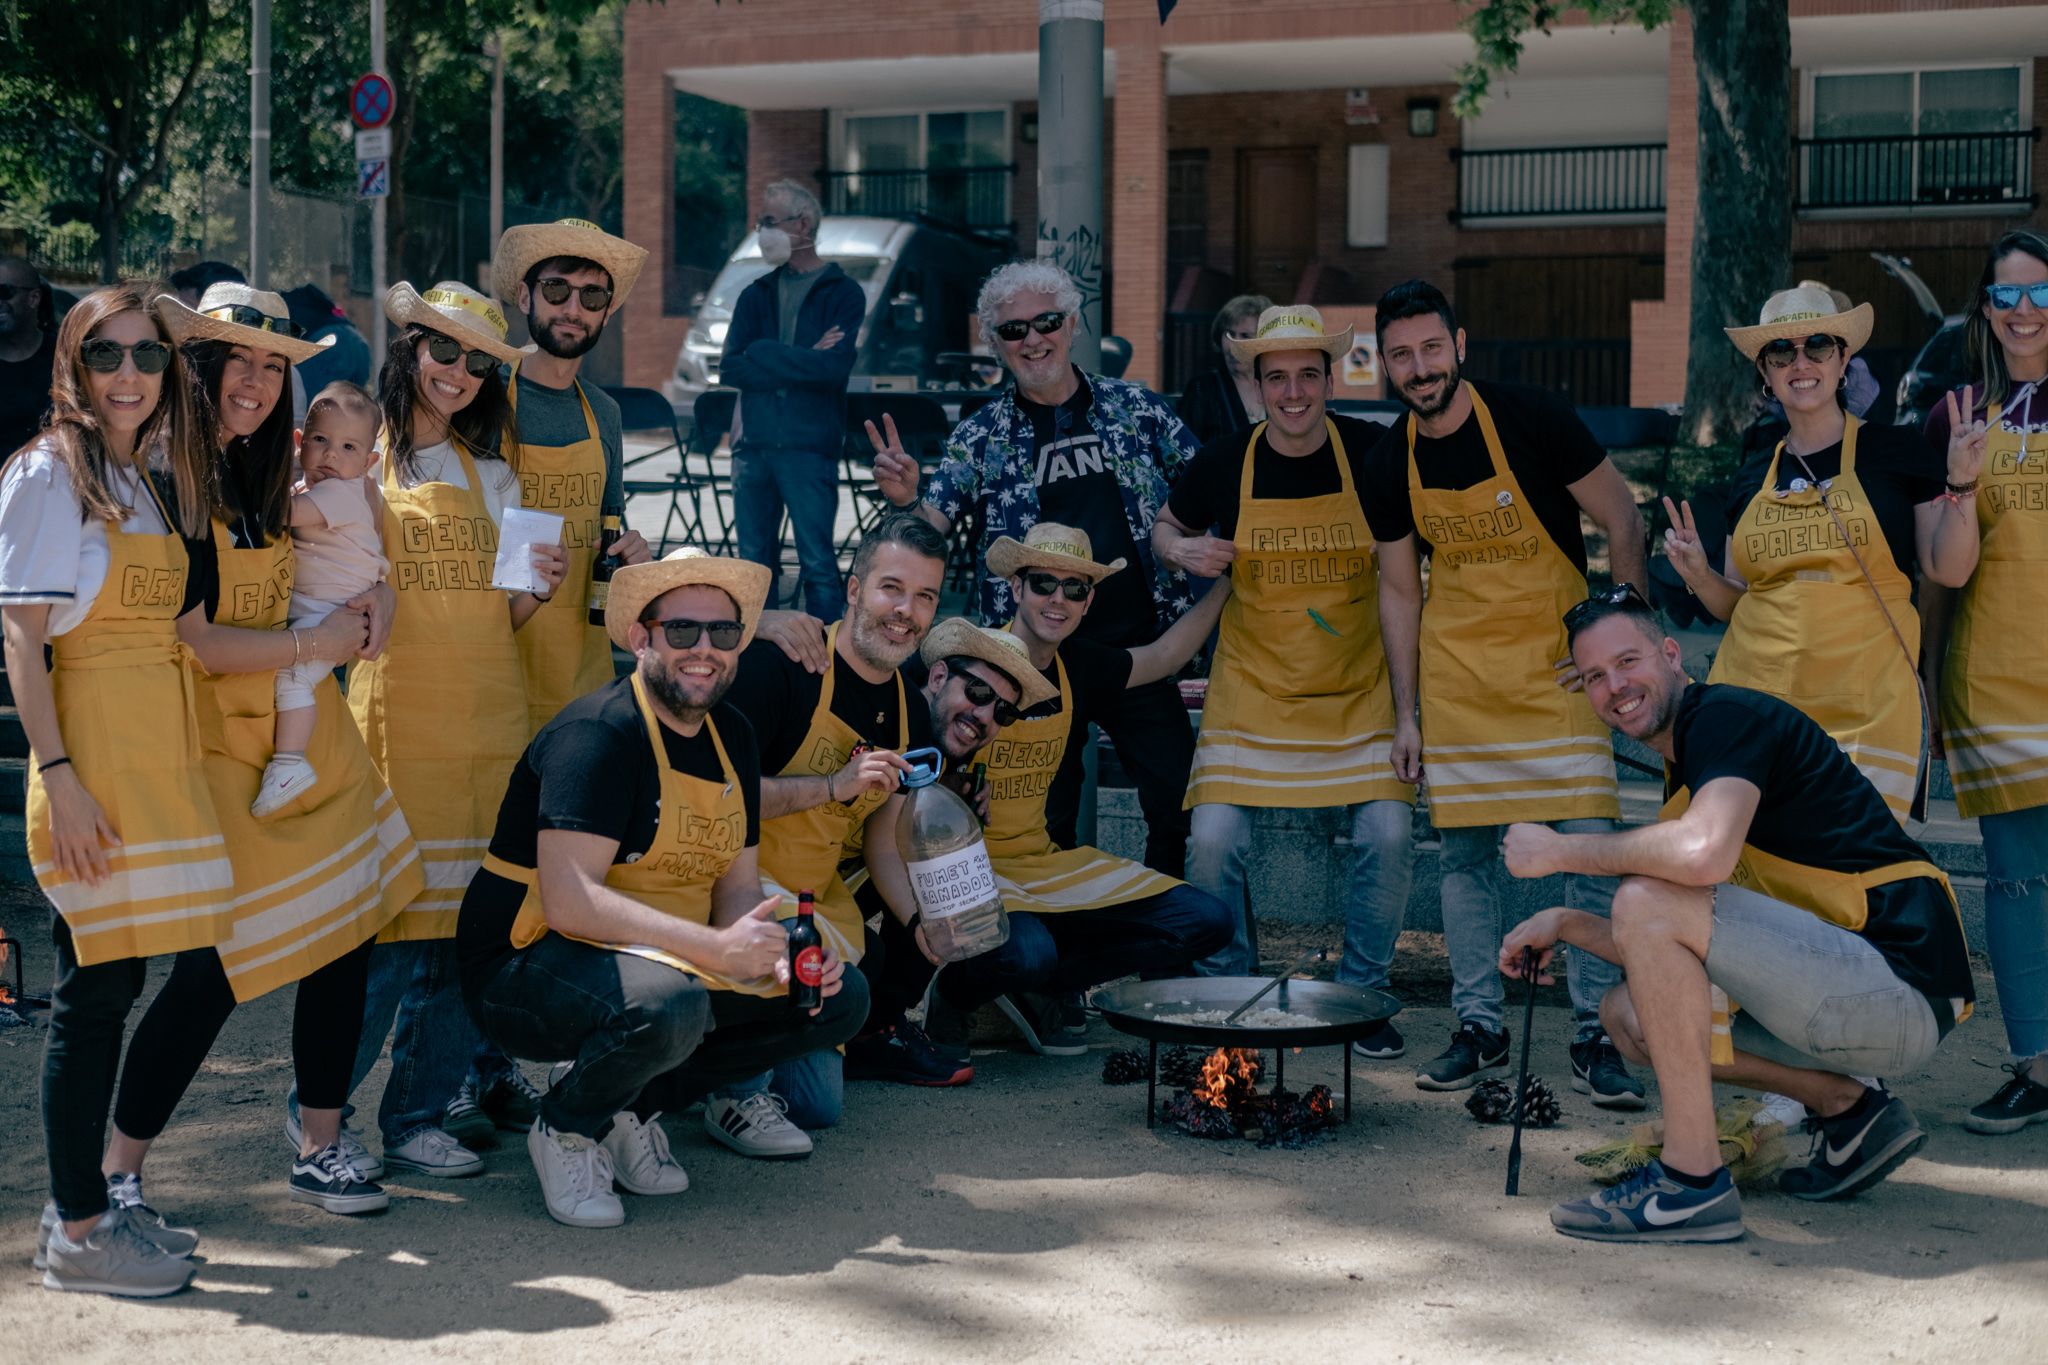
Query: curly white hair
[{"x": 1024, "y": 277}]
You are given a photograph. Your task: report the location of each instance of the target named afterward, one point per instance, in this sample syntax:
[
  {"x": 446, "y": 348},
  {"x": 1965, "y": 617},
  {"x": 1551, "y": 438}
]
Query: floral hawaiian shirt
[{"x": 990, "y": 462}]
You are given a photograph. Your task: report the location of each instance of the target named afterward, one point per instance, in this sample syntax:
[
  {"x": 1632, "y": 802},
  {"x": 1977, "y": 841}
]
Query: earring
[{"x": 1764, "y": 387}]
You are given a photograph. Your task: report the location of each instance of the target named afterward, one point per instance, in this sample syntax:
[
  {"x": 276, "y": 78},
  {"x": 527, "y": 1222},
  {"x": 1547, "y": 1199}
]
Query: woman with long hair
[
  {"x": 121, "y": 827},
  {"x": 1993, "y": 681}
]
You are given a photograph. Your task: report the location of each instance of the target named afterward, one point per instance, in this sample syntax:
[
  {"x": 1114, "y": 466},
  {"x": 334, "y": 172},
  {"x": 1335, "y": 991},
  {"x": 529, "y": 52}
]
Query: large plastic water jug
[{"x": 950, "y": 877}]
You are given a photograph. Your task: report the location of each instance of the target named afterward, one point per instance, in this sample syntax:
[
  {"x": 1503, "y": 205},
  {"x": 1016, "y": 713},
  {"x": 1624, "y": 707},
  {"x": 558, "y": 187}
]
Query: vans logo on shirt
[{"x": 1072, "y": 457}]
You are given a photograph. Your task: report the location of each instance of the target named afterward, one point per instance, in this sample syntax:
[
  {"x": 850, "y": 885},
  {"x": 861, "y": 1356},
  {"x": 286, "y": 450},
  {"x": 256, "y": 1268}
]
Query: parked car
[
  {"x": 1938, "y": 367},
  {"x": 920, "y": 277}
]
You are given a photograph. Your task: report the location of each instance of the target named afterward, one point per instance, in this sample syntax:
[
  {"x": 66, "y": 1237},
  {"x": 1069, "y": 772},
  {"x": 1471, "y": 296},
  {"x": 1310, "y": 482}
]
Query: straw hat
[
  {"x": 635, "y": 585},
  {"x": 521, "y": 248},
  {"x": 213, "y": 320},
  {"x": 998, "y": 649},
  {"x": 1049, "y": 545},
  {"x": 1290, "y": 327},
  {"x": 454, "y": 310},
  {"x": 1796, "y": 314}
]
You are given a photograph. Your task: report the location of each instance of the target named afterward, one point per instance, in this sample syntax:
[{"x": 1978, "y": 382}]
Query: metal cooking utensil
[
  {"x": 1314, "y": 955},
  {"x": 1522, "y": 1083}
]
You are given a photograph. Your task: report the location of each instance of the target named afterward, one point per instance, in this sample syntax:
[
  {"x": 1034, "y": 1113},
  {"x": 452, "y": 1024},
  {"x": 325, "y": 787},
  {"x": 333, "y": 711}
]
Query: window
[
  {"x": 1187, "y": 210},
  {"x": 1954, "y": 136},
  {"x": 1366, "y": 210},
  {"x": 952, "y": 164}
]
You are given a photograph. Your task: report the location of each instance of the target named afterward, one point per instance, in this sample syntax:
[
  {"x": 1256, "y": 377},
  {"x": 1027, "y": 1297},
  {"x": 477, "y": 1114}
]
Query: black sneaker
[
  {"x": 1855, "y": 1149},
  {"x": 512, "y": 1101},
  {"x": 1597, "y": 1070},
  {"x": 903, "y": 1054},
  {"x": 326, "y": 1179},
  {"x": 2019, "y": 1102},
  {"x": 1474, "y": 1048},
  {"x": 1382, "y": 1043}
]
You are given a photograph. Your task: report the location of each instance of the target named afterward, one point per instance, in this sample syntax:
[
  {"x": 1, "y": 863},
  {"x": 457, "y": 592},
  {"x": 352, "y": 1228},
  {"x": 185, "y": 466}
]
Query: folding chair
[
  {"x": 710, "y": 419},
  {"x": 922, "y": 425},
  {"x": 645, "y": 410}
]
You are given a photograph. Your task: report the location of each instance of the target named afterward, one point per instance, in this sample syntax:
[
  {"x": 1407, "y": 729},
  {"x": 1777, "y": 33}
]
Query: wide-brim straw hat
[
  {"x": 454, "y": 310},
  {"x": 1290, "y": 327},
  {"x": 998, "y": 649},
  {"x": 1796, "y": 314},
  {"x": 635, "y": 585},
  {"x": 211, "y": 321},
  {"x": 521, "y": 248},
  {"x": 1053, "y": 547}
]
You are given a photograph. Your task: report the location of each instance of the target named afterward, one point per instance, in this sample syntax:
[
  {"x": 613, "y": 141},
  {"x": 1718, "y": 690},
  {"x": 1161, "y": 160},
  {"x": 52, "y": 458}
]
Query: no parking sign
[{"x": 371, "y": 100}]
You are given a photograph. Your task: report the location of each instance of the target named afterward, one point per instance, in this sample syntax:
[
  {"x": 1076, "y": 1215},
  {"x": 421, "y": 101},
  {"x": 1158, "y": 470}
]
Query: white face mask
[{"x": 775, "y": 245}]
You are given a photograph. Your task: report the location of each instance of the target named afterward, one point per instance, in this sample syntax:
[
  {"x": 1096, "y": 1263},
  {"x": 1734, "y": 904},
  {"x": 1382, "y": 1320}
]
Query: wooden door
[{"x": 1276, "y": 219}]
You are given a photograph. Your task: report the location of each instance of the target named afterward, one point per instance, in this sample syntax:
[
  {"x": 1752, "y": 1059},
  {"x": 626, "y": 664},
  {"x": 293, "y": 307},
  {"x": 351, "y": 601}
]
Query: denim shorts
[{"x": 1811, "y": 994}]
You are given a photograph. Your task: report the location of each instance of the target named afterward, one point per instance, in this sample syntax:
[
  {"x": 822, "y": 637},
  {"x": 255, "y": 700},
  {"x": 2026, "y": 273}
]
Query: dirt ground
[{"x": 1031, "y": 1216}]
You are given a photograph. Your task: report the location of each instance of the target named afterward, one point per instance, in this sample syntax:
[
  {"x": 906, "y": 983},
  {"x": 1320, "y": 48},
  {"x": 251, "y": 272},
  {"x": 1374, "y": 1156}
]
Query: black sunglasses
[
  {"x": 595, "y": 298},
  {"x": 1045, "y": 585},
  {"x": 1620, "y": 595},
  {"x": 684, "y": 634},
  {"x": 10, "y": 292},
  {"x": 1819, "y": 348},
  {"x": 247, "y": 315},
  {"x": 444, "y": 350},
  {"x": 1045, "y": 324},
  {"x": 105, "y": 356},
  {"x": 979, "y": 693}
]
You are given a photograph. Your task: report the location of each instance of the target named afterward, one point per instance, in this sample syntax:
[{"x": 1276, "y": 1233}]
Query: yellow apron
[
  {"x": 804, "y": 851},
  {"x": 562, "y": 654},
  {"x": 703, "y": 829},
  {"x": 1994, "y": 684},
  {"x": 1839, "y": 898},
  {"x": 1808, "y": 633},
  {"x": 443, "y": 709},
  {"x": 123, "y": 688},
  {"x": 1031, "y": 871},
  {"x": 336, "y": 865},
  {"x": 1300, "y": 711},
  {"x": 1501, "y": 741}
]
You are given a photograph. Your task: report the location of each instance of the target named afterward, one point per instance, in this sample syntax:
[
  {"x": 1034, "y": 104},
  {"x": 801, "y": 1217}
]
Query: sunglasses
[
  {"x": 1620, "y": 595},
  {"x": 1045, "y": 585},
  {"x": 979, "y": 693},
  {"x": 684, "y": 634},
  {"x": 105, "y": 356},
  {"x": 595, "y": 298},
  {"x": 444, "y": 350},
  {"x": 247, "y": 315},
  {"x": 10, "y": 292},
  {"x": 1045, "y": 324},
  {"x": 1778, "y": 354},
  {"x": 2005, "y": 297}
]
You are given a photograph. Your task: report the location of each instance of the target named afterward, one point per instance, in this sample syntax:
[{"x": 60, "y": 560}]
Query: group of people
[{"x": 504, "y": 852}]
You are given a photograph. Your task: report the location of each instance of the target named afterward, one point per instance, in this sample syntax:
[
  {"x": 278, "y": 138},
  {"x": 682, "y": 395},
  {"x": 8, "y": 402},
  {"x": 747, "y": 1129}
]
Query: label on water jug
[{"x": 952, "y": 882}]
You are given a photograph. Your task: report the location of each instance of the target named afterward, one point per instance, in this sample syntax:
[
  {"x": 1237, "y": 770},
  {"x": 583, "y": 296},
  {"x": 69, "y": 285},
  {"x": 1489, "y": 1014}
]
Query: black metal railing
[
  {"x": 974, "y": 196},
  {"x": 1925, "y": 170},
  {"x": 1589, "y": 373},
  {"x": 1544, "y": 182}
]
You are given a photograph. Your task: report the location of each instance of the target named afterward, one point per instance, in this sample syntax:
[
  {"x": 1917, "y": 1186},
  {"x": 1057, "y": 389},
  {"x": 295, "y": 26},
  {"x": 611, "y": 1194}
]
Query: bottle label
[
  {"x": 952, "y": 882},
  {"x": 600, "y": 594},
  {"x": 809, "y": 968}
]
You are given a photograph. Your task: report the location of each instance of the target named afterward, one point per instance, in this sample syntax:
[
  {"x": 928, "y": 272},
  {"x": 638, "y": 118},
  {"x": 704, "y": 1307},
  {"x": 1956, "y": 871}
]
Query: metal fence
[
  {"x": 1928, "y": 170},
  {"x": 1587, "y": 373},
  {"x": 1532, "y": 182}
]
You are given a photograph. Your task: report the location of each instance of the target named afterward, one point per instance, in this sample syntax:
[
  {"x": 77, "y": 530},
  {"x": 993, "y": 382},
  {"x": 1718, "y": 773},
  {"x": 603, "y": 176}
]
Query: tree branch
[{"x": 168, "y": 121}]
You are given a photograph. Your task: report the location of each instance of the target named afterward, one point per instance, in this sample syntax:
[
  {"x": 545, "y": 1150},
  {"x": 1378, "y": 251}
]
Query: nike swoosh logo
[
  {"x": 1837, "y": 1155},
  {"x": 1656, "y": 1215}
]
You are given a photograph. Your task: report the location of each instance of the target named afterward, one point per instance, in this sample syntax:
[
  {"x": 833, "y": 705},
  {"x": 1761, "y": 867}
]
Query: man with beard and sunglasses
[
  {"x": 619, "y": 923},
  {"x": 1780, "y": 932},
  {"x": 1489, "y": 480}
]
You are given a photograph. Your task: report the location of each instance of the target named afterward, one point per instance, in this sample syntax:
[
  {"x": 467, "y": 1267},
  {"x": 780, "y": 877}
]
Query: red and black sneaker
[{"x": 902, "y": 1053}]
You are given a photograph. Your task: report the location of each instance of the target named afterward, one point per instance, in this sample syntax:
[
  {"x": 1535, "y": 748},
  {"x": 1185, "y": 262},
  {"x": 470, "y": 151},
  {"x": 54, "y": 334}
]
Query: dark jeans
[
  {"x": 644, "y": 1036},
  {"x": 1158, "y": 936},
  {"x": 1156, "y": 744},
  {"x": 807, "y": 483}
]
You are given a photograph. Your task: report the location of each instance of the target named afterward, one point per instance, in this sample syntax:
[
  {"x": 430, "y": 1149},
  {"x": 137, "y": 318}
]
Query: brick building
[{"x": 1306, "y": 149}]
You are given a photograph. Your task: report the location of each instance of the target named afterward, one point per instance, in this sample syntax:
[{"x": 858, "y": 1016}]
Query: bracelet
[
  {"x": 53, "y": 763},
  {"x": 542, "y": 596},
  {"x": 295, "y": 649},
  {"x": 1961, "y": 490},
  {"x": 830, "y": 794},
  {"x": 916, "y": 918}
]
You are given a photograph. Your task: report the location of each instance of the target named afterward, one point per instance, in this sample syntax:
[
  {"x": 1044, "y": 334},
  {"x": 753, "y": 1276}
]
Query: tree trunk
[
  {"x": 1742, "y": 234},
  {"x": 110, "y": 219}
]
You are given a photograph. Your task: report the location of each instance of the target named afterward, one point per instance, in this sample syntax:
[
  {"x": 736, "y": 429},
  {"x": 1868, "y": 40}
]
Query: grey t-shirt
[
  {"x": 554, "y": 417},
  {"x": 790, "y": 291}
]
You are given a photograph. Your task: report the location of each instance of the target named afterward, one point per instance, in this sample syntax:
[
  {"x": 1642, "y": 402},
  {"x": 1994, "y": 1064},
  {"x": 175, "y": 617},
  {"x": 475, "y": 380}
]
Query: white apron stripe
[
  {"x": 149, "y": 886},
  {"x": 1331, "y": 761},
  {"x": 1441, "y": 775},
  {"x": 1438, "y": 798}
]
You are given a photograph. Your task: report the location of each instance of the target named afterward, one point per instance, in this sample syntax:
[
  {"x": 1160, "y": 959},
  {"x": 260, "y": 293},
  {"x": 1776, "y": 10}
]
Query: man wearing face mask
[
  {"x": 28, "y": 348},
  {"x": 788, "y": 352}
]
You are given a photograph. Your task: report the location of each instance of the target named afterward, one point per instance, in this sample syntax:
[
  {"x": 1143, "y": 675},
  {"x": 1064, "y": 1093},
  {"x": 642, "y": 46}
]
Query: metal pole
[
  {"x": 497, "y": 51},
  {"x": 1070, "y": 157},
  {"x": 259, "y": 142},
  {"x": 379, "y": 338}
]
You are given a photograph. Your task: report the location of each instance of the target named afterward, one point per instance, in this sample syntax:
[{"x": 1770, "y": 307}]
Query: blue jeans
[
  {"x": 1382, "y": 870},
  {"x": 2016, "y": 923},
  {"x": 1158, "y": 936},
  {"x": 1473, "y": 899},
  {"x": 813, "y": 1085},
  {"x": 766, "y": 481}
]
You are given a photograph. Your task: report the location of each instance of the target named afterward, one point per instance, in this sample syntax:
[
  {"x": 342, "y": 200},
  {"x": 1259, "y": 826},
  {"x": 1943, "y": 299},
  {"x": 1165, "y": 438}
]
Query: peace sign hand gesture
[
  {"x": 896, "y": 473},
  {"x": 1966, "y": 439},
  {"x": 1682, "y": 542}
]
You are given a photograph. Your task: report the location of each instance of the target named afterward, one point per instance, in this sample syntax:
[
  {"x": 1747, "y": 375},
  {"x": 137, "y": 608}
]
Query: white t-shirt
[
  {"x": 50, "y": 552},
  {"x": 440, "y": 464}
]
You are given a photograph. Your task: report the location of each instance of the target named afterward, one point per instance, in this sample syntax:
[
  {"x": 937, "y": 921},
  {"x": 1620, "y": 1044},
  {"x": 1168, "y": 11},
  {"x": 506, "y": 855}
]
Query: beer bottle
[
  {"x": 806, "y": 956},
  {"x": 601, "y": 571}
]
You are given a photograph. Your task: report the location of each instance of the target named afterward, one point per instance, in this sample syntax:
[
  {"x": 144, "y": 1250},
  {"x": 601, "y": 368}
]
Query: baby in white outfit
[{"x": 338, "y": 541}]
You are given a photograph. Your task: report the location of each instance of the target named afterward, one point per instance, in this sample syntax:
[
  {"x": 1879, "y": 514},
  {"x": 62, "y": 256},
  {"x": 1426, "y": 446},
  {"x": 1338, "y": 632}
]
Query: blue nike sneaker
[{"x": 1650, "y": 1206}]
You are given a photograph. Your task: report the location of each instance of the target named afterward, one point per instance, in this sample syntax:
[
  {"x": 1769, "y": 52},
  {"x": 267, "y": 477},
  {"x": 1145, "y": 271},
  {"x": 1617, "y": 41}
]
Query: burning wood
[{"x": 1225, "y": 1103}]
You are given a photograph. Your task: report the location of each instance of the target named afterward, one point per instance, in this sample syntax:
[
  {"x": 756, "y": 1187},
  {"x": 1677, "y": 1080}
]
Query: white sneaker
[
  {"x": 575, "y": 1178},
  {"x": 756, "y": 1126},
  {"x": 286, "y": 778},
  {"x": 1779, "y": 1109},
  {"x": 367, "y": 1164},
  {"x": 432, "y": 1152},
  {"x": 641, "y": 1161}
]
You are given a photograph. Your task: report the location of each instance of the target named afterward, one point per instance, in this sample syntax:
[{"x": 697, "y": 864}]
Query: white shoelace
[
  {"x": 766, "y": 1111},
  {"x": 651, "y": 1141},
  {"x": 588, "y": 1164}
]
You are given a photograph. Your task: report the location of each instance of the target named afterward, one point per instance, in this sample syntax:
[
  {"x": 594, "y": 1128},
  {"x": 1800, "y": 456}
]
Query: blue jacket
[{"x": 793, "y": 397}]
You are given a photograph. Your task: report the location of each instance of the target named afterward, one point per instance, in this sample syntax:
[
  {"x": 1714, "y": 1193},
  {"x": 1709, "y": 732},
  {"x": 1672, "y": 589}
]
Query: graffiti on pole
[{"x": 1079, "y": 253}]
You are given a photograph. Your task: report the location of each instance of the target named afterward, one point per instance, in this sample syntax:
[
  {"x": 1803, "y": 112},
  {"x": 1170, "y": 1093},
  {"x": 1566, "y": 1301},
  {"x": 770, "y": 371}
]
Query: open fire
[{"x": 1225, "y": 1102}]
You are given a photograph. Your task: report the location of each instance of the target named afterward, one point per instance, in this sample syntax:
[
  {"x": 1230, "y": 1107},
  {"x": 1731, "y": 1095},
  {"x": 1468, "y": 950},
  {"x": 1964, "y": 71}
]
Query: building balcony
[
  {"x": 976, "y": 197},
  {"x": 1930, "y": 172},
  {"x": 1512, "y": 185}
]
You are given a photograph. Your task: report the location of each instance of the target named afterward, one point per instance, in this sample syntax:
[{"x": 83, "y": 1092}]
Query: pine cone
[
  {"x": 1123, "y": 1067},
  {"x": 1181, "y": 1066},
  {"x": 1491, "y": 1101},
  {"x": 1540, "y": 1108}
]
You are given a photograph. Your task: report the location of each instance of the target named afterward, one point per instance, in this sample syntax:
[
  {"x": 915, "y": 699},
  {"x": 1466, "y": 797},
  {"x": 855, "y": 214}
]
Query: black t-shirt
[
  {"x": 1096, "y": 675},
  {"x": 778, "y": 696},
  {"x": 1207, "y": 494},
  {"x": 1817, "y": 810},
  {"x": 1077, "y": 487},
  {"x": 25, "y": 395},
  {"x": 1547, "y": 447},
  {"x": 1898, "y": 469}
]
